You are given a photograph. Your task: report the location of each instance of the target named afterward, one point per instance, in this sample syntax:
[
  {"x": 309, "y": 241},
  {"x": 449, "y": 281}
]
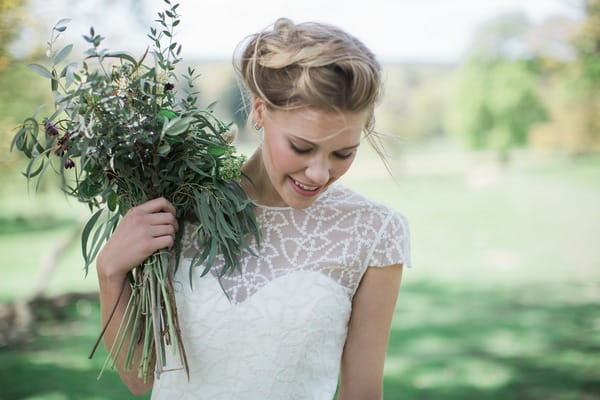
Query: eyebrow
[{"x": 316, "y": 145}]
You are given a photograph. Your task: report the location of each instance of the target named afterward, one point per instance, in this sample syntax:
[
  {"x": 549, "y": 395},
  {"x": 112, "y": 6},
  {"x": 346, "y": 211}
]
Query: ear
[{"x": 258, "y": 111}]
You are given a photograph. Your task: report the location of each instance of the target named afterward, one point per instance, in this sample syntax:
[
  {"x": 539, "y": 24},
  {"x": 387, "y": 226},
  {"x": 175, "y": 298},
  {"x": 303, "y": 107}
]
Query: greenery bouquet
[{"x": 119, "y": 136}]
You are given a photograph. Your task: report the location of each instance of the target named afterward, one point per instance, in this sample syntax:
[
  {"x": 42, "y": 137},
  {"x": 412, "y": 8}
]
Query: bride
[{"x": 316, "y": 301}]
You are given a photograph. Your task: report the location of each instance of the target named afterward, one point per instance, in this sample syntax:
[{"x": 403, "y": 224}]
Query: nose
[{"x": 318, "y": 171}]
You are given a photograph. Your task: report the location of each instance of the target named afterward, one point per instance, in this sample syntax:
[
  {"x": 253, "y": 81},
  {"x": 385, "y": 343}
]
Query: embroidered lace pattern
[{"x": 277, "y": 328}]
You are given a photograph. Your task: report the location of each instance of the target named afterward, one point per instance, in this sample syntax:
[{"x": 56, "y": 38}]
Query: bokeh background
[{"x": 491, "y": 115}]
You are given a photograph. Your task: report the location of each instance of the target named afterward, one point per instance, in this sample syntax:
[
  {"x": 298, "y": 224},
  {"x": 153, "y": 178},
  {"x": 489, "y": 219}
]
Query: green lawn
[{"x": 502, "y": 302}]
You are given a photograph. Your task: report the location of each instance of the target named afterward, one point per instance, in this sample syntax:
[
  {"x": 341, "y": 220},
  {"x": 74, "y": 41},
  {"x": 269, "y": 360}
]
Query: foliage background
[{"x": 495, "y": 162}]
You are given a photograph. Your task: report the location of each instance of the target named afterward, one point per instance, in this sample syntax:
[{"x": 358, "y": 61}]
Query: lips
[{"x": 305, "y": 190}]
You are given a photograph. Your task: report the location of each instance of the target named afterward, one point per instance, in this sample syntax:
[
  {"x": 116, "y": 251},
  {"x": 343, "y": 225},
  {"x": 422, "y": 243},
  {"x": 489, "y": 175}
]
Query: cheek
[
  {"x": 283, "y": 158},
  {"x": 341, "y": 167}
]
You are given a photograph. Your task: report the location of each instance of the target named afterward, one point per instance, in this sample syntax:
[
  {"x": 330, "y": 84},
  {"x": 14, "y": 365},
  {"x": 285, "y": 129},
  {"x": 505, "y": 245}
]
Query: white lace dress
[{"x": 277, "y": 329}]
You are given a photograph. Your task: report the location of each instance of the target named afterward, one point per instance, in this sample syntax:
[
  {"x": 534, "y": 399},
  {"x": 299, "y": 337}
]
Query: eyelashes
[
  {"x": 343, "y": 156},
  {"x": 298, "y": 150},
  {"x": 302, "y": 151}
]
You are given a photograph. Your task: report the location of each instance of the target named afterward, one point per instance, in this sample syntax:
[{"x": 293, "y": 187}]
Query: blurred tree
[
  {"x": 494, "y": 101},
  {"x": 10, "y": 15},
  {"x": 413, "y": 105},
  {"x": 575, "y": 123}
]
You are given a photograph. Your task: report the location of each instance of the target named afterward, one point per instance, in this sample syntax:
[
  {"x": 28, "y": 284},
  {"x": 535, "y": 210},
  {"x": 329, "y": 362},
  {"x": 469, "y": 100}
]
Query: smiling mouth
[{"x": 305, "y": 187}]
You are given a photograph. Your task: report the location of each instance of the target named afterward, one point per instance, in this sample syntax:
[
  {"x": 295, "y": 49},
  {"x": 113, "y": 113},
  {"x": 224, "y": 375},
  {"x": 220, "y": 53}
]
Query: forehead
[{"x": 318, "y": 126}]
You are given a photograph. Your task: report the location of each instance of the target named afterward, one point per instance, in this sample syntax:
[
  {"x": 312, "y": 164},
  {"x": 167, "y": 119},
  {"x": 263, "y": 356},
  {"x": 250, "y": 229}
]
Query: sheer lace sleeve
[{"x": 392, "y": 244}]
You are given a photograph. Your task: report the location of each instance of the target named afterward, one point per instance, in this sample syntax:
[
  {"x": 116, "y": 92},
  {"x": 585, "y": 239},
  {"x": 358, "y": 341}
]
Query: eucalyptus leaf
[
  {"x": 177, "y": 126},
  {"x": 40, "y": 70},
  {"x": 112, "y": 201},
  {"x": 62, "y": 54},
  {"x": 63, "y": 21},
  {"x": 89, "y": 226},
  {"x": 217, "y": 151}
]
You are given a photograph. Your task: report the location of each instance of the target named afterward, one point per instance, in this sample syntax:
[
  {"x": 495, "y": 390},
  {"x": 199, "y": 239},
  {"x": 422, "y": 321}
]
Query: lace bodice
[{"x": 276, "y": 330}]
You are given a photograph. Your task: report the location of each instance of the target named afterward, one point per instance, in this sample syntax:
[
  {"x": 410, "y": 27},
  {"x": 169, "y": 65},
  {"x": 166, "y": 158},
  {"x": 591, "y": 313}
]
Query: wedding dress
[{"x": 276, "y": 330}]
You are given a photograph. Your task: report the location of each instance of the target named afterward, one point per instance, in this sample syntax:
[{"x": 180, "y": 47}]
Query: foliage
[
  {"x": 414, "y": 102},
  {"x": 9, "y": 17},
  {"x": 120, "y": 136},
  {"x": 575, "y": 124},
  {"x": 495, "y": 99},
  {"x": 20, "y": 92}
]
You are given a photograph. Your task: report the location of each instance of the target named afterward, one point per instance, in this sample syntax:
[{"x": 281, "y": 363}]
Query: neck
[{"x": 258, "y": 187}]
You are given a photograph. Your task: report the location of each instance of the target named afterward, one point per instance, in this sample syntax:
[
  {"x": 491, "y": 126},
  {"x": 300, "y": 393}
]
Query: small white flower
[
  {"x": 122, "y": 84},
  {"x": 231, "y": 134},
  {"x": 162, "y": 77}
]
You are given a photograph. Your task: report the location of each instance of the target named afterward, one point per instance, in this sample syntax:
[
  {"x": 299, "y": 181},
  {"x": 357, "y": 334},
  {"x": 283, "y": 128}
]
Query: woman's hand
[{"x": 143, "y": 230}]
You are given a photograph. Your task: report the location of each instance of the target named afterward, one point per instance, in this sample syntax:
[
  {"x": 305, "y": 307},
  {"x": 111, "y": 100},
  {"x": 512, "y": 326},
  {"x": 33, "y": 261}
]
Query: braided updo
[{"x": 309, "y": 64}]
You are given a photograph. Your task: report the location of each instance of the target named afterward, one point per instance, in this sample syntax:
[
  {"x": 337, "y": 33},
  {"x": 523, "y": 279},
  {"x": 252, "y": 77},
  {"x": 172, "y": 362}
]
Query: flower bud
[
  {"x": 50, "y": 128},
  {"x": 69, "y": 163},
  {"x": 169, "y": 86}
]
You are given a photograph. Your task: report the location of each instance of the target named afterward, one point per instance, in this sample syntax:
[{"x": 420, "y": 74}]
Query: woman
[{"x": 313, "y": 303}]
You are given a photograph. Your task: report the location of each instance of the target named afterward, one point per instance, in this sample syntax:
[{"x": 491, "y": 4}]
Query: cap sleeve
[{"x": 392, "y": 243}]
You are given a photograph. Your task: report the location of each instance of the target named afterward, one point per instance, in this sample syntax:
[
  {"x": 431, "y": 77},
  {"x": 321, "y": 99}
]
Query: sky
[{"x": 437, "y": 31}]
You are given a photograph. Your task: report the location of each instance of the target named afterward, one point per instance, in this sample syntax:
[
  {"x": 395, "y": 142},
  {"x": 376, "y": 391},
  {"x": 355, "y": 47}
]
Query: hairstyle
[{"x": 310, "y": 64}]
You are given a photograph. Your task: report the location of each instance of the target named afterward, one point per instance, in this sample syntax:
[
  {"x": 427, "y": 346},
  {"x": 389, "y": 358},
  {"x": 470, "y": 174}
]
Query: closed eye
[
  {"x": 299, "y": 150},
  {"x": 343, "y": 156}
]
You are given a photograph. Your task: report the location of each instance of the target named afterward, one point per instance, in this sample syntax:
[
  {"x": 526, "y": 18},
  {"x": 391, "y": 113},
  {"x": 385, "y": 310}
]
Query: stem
[
  {"x": 155, "y": 317},
  {"x": 109, "y": 319},
  {"x": 118, "y": 334}
]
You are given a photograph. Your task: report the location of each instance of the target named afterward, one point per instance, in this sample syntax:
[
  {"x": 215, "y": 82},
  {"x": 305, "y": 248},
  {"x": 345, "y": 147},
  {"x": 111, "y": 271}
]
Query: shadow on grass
[
  {"x": 20, "y": 224},
  {"x": 51, "y": 381},
  {"x": 533, "y": 342},
  {"x": 54, "y": 366},
  {"x": 527, "y": 342}
]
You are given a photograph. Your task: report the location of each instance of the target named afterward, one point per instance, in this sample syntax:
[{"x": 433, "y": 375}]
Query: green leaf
[
  {"x": 166, "y": 115},
  {"x": 112, "y": 201},
  {"x": 30, "y": 172},
  {"x": 164, "y": 149},
  {"x": 62, "y": 53},
  {"x": 123, "y": 55},
  {"x": 41, "y": 70},
  {"x": 85, "y": 236},
  {"x": 216, "y": 151},
  {"x": 60, "y": 28},
  {"x": 63, "y": 21},
  {"x": 177, "y": 126}
]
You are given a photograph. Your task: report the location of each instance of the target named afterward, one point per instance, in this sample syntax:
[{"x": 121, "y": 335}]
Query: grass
[
  {"x": 54, "y": 366},
  {"x": 502, "y": 302}
]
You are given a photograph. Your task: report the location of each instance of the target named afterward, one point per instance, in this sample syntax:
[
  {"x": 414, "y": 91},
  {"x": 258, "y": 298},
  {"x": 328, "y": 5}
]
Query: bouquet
[{"x": 120, "y": 135}]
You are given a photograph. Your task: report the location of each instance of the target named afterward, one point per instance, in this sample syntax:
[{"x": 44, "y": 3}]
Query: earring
[{"x": 256, "y": 126}]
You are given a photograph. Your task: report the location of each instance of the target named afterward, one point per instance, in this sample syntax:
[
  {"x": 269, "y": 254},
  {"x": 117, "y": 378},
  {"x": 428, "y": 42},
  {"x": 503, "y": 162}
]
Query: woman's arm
[
  {"x": 142, "y": 231},
  {"x": 368, "y": 333}
]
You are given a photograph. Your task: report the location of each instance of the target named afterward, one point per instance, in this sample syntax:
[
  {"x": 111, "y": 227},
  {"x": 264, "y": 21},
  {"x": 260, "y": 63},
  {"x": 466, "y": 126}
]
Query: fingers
[
  {"x": 161, "y": 218},
  {"x": 162, "y": 230},
  {"x": 157, "y": 205},
  {"x": 163, "y": 242}
]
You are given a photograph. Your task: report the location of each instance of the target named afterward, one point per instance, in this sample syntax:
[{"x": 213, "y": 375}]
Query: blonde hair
[{"x": 310, "y": 64}]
